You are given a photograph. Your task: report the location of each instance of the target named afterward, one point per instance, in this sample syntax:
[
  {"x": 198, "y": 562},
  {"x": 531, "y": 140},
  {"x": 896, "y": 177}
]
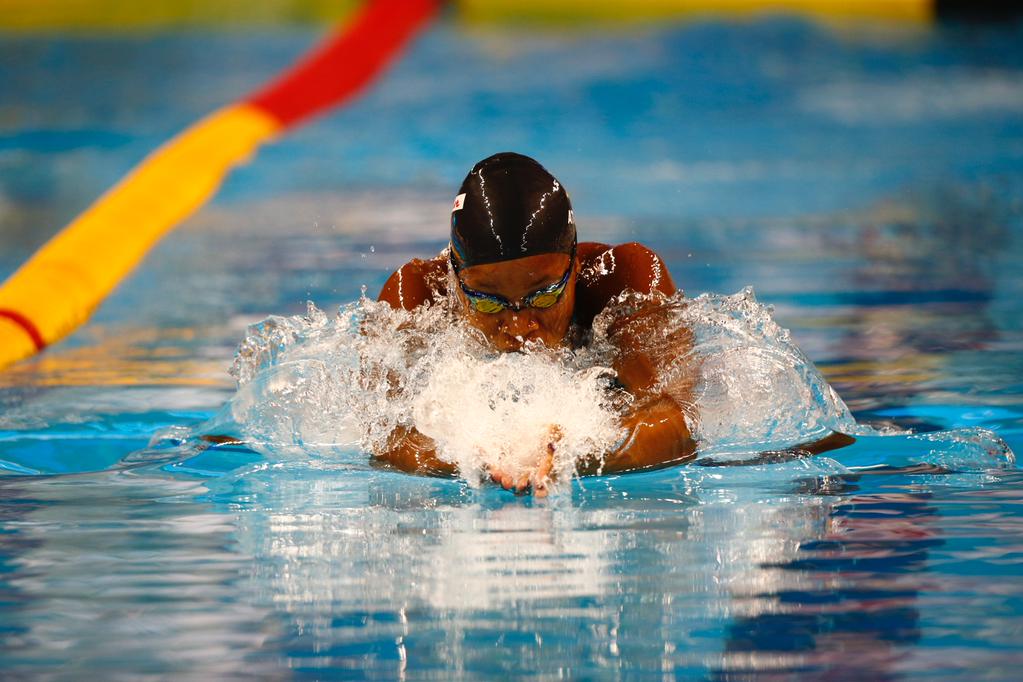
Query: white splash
[
  {"x": 312, "y": 384},
  {"x": 328, "y": 385},
  {"x": 757, "y": 389}
]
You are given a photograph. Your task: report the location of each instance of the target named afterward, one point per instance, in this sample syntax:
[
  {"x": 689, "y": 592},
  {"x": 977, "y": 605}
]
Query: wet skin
[
  {"x": 655, "y": 426},
  {"x": 657, "y": 434},
  {"x": 514, "y": 280},
  {"x": 509, "y": 329}
]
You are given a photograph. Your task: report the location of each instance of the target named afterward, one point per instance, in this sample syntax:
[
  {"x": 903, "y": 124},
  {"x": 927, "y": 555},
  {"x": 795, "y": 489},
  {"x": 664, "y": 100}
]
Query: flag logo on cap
[{"x": 459, "y": 201}]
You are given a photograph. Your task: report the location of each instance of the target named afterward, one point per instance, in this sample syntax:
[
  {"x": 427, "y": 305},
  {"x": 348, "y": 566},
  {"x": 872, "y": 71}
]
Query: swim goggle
[{"x": 541, "y": 298}]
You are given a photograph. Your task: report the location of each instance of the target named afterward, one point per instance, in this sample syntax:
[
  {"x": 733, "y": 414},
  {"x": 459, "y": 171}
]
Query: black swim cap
[{"x": 509, "y": 207}]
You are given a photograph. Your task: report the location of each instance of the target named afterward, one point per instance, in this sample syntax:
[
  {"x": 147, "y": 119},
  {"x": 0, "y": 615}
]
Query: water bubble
[
  {"x": 338, "y": 387},
  {"x": 327, "y": 386}
]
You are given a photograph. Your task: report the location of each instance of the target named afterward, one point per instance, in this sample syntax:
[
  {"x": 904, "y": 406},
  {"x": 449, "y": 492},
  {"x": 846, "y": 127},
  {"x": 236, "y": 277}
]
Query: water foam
[
  {"x": 757, "y": 389},
  {"x": 328, "y": 385},
  {"x": 339, "y": 386}
]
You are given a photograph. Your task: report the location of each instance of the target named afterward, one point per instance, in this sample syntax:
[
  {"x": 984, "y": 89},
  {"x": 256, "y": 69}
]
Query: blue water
[{"x": 868, "y": 183}]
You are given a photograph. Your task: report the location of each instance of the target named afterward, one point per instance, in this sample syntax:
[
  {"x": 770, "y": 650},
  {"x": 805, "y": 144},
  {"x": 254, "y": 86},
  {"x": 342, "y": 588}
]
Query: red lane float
[
  {"x": 57, "y": 289},
  {"x": 344, "y": 66}
]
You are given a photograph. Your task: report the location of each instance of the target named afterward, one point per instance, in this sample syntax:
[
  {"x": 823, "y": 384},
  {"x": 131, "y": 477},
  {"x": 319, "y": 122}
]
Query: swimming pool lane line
[
  {"x": 574, "y": 12},
  {"x": 567, "y": 11},
  {"x": 60, "y": 286}
]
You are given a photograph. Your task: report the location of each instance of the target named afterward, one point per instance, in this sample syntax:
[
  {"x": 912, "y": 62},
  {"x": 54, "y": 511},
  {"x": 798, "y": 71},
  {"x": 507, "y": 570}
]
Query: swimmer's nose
[{"x": 518, "y": 324}]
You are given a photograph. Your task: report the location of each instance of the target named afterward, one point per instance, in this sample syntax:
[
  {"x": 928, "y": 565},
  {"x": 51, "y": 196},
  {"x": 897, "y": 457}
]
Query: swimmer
[{"x": 519, "y": 275}]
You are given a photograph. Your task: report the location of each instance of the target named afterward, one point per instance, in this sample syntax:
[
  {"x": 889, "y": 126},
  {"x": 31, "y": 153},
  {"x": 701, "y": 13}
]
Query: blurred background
[{"x": 859, "y": 164}]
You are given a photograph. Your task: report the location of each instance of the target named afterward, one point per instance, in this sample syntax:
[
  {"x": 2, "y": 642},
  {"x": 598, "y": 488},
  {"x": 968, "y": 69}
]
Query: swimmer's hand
[{"x": 540, "y": 478}]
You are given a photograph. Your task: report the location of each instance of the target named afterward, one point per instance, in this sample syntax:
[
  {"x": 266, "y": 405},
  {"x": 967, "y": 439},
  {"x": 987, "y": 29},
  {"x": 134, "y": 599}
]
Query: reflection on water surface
[{"x": 868, "y": 185}]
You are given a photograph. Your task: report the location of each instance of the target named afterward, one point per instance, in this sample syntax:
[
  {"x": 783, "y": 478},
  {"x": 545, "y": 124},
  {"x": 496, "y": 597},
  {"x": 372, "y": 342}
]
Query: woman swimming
[
  {"x": 523, "y": 278},
  {"x": 520, "y": 276}
]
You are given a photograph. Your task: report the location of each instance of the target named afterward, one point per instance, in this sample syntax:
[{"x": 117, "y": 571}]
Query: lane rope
[
  {"x": 27, "y": 326},
  {"x": 575, "y": 11},
  {"x": 59, "y": 287}
]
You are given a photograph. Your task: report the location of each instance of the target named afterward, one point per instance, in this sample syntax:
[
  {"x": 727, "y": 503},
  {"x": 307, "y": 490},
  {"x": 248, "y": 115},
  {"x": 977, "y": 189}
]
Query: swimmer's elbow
[
  {"x": 647, "y": 271},
  {"x": 410, "y": 451},
  {"x": 413, "y": 284},
  {"x": 391, "y": 292},
  {"x": 657, "y": 436}
]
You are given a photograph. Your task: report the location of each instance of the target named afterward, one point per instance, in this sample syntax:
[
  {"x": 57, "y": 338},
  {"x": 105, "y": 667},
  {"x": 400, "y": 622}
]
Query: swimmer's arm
[
  {"x": 656, "y": 435},
  {"x": 656, "y": 429},
  {"x": 656, "y": 440},
  {"x": 410, "y": 451},
  {"x": 415, "y": 283},
  {"x": 608, "y": 271}
]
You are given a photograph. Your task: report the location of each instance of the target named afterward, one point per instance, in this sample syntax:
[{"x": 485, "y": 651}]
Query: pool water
[{"x": 866, "y": 182}]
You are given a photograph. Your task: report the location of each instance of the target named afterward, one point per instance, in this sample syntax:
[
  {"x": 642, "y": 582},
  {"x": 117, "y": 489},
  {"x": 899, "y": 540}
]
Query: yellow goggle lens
[
  {"x": 545, "y": 300},
  {"x": 485, "y": 305}
]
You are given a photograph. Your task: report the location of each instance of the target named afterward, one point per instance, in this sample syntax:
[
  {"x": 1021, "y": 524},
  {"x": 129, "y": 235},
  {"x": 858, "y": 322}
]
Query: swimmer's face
[{"x": 515, "y": 280}]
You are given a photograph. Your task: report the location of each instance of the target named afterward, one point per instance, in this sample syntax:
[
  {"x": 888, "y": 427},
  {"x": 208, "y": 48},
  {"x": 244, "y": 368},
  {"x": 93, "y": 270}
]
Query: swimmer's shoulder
[
  {"x": 630, "y": 266},
  {"x": 606, "y": 271},
  {"x": 417, "y": 282}
]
